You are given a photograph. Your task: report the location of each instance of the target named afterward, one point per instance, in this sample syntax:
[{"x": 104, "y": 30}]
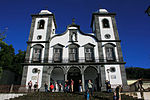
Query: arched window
[
  {"x": 57, "y": 52},
  {"x": 105, "y": 23},
  {"x": 37, "y": 53},
  {"x": 41, "y": 24},
  {"x": 89, "y": 52},
  {"x": 73, "y": 52},
  {"x": 110, "y": 52}
]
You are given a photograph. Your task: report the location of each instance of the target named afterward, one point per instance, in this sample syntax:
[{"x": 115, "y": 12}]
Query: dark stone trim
[
  {"x": 120, "y": 56},
  {"x": 109, "y": 41},
  {"x": 75, "y": 63},
  {"x": 124, "y": 78},
  {"x": 58, "y": 45},
  {"x": 103, "y": 78},
  {"x": 115, "y": 28},
  {"x": 24, "y": 75},
  {"x": 45, "y": 77},
  {"x": 98, "y": 35},
  {"x": 27, "y": 57},
  {"x": 28, "y": 42},
  {"x": 48, "y": 35},
  {"x": 105, "y": 14},
  {"x": 32, "y": 29}
]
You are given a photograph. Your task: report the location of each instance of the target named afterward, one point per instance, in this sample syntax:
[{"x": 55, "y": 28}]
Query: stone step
[{"x": 70, "y": 96}]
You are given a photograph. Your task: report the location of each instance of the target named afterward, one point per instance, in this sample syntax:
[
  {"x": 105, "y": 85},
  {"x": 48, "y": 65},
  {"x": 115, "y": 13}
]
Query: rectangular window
[
  {"x": 73, "y": 54},
  {"x": 57, "y": 55},
  {"x": 110, "y": 54},
  {"x": 37, "y": 55},
  {"x": 89, "y": 54}
]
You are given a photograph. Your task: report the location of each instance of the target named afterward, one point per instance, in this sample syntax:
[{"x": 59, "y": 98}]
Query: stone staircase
[{"x": 70, "y": 96}]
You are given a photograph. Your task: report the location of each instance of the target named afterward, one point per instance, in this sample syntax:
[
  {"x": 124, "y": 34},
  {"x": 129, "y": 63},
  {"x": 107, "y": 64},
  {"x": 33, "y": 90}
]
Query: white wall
[
  {"x": 41, "y": 32},
  {"x": 34, "y": 76},
  {"x": 106, "y": 30},
  {"x": 82, "y": 40},
  {"x": 114, "y": 81}
]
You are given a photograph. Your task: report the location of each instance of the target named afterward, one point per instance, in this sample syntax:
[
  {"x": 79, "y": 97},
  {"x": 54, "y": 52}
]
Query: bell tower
[
  {"x": 110, "y": 54},
  {"x": 43, "y": 27}
]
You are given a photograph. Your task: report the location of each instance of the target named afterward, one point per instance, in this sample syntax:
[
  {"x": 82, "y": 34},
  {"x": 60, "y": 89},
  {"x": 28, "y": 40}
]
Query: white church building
[{"x": 74, "y": 54}]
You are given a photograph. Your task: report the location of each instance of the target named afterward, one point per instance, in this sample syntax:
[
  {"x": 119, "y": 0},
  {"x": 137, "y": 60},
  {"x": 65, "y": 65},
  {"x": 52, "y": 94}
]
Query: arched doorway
[
  {"x": 75, "y": 74},
  {"x": 57, "y": 75},
  {"x": 91, "y": 73}
]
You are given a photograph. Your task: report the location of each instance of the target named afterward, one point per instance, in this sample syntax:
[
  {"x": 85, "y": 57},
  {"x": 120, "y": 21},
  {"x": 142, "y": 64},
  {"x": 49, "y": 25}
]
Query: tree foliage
[
  {"x": 136, "y": 73},
  {"x": 18, "y": 60},
  {"x": 8, "y": 58}
]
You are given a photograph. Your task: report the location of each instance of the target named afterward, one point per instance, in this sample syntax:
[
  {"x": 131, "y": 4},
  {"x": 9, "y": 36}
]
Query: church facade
[{"x": 76, "y": 55}]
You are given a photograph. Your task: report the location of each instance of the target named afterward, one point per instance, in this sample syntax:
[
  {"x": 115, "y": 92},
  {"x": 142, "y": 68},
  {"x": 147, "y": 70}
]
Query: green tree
[
  {"x": 2, "y": 45},
  {"x": 6, "y": 56},
  {"x": 18, "y": 60},
  {"x": 137, "y": 72}
]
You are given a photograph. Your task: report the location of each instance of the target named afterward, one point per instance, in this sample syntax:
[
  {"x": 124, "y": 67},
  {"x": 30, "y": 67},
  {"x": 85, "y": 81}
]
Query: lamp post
[
  {"x": 148, "y": 11},
  {"x": 38, "y": 71},
  {"x": 108, "y": 74}
]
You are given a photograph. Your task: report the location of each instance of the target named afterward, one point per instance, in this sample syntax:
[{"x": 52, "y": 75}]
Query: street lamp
[
  {"x": 108, "y": 70},
  {"x": 38, "y": 71},
  {"x": 148, "y": 11}
]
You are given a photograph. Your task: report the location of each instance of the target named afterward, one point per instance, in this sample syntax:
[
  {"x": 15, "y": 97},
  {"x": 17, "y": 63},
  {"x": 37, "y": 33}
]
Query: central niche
[{"x": 73, "y": 36}]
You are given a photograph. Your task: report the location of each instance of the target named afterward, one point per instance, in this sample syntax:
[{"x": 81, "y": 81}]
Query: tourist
[
  {"x": 87, "y": 95},
  {"x": 118, "y": 90},
  {"x": 80, "y": 86},
  {"x": 108, "y": 86},
  {"x": 46, "y": 87},
  {"x": 29, "y": 86},
  {"x": 90, "y": 87},
  {"x": 60, "y": 87},
  {"x": 72, "y": 84},
  {"x": 114, "y": 96},
  {"x": 67, "y": 86},
  {"x": 51, "y": 87},
  {"x": 35, "y": 86},
  {"x": 140, "y": 85},
  {"x": 56, "y": 87}
]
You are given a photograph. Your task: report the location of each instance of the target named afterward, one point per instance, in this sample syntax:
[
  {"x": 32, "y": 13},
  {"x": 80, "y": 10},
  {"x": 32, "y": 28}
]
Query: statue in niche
[{"x": 74, "y": 36}]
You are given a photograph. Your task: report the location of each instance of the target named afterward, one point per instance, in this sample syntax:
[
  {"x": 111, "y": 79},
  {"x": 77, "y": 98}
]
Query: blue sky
[{"x": 132, "y": 22}]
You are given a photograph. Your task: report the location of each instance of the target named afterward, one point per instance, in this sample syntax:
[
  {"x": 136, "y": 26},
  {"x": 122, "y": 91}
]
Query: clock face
[{"x": 107, "y": 36}]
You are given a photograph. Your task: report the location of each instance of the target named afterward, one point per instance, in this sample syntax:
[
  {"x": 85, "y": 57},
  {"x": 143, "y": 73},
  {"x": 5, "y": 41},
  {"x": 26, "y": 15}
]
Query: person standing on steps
[
  {"x": 108, "y": 86},
  {"x": 46, "y": 87},
  {"x": 80, "y": 86},
  {"x": 117, "y": 91},
  {"x": 51, "y": 87},
  {"x": 140, "y": 85},
  {"x": 35, "y": 87},
  {"x": 29, "y": 86},
  {"x": 90, "y": 87},
  {"x": 56, "y": 87},
  {"x": 72, "y": 84}
]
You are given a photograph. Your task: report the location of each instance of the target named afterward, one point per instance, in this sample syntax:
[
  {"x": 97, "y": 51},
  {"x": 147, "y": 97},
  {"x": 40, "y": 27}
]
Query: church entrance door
[{"x": 74, "y": 74}]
